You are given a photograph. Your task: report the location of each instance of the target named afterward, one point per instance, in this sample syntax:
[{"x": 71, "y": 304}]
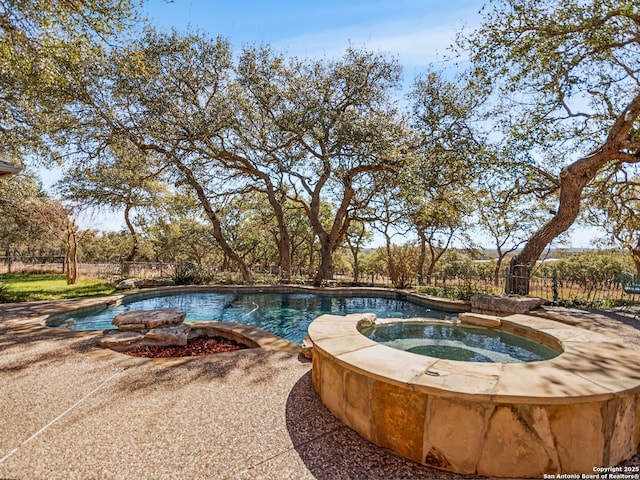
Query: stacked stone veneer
[
  {"x": 147, "y": 328},
  {"x": 567, "y": 415}
]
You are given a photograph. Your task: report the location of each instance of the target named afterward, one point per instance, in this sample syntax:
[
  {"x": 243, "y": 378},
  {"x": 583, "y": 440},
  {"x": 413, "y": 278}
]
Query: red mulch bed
[{"x": 195, "y": 347}]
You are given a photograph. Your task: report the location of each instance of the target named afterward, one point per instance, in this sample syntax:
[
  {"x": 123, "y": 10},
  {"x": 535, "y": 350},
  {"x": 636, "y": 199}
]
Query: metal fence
[
  {"x": 624, "y": 289},
  {"x": 619, "y": 289},
  {"x": 616, "y": 291},
  {"x": 32, "y": 264},
  {"x": 105, "y": 271}
]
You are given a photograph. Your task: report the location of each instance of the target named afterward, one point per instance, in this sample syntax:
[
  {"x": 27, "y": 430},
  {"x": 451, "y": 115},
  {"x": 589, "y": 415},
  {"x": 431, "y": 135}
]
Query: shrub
[
  {"x": 5, "y": 296},
  {"x": 455, "y": 292},
  {"x": 189, "y": 273},
  {"x": 185, "y": 273}
]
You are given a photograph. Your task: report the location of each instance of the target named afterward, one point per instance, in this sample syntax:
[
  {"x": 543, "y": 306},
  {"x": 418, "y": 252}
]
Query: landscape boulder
[
  {"x": 149, "y": 318},
  {"x": 126, "y": 284},
  {"x": 162, "y": 327},
  {"x": 154, "y": 282},
  {"x": 117, "y": 340},
  {"x": 504, "y": 304},
  {"x": 172, "y": 335}
]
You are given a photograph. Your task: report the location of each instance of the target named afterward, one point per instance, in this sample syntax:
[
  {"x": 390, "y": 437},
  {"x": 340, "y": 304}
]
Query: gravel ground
[{"x": 71, "y": 411}]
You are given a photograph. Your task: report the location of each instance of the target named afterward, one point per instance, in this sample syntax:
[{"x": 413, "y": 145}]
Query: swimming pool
[{"x": 286, "y": 314}]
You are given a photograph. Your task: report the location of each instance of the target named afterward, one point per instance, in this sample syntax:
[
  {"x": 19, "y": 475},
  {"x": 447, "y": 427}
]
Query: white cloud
[{"x": 415, "y": 45}]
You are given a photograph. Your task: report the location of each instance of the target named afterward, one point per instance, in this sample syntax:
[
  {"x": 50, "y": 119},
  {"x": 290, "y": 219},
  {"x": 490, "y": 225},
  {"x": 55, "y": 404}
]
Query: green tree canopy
[
  {"x": 43, "y": 44},
  {"x": 567, "y": 74},
  {"x": 122, "y": 178},
  {"x": 20, "y": 233}
]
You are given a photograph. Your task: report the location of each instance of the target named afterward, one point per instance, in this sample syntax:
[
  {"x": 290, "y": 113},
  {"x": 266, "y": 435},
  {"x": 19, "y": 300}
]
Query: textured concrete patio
[{"x": 70, "y": 410}]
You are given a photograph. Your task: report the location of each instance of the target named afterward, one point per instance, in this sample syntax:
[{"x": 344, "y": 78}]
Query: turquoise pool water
[
  {"x": 284, "y": 314},
  {"x": 459, "y": 342}
]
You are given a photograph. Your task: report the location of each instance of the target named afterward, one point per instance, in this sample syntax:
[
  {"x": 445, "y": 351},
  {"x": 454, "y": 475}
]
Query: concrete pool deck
[{"x": 71, "y": 410}]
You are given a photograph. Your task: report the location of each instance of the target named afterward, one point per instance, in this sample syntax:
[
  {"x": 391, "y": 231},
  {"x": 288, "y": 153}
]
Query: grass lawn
[{"x": 24, "y": 287}]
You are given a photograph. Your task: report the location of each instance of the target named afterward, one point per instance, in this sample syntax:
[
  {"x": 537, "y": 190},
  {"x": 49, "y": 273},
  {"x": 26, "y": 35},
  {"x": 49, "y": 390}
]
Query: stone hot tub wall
[{"x": 565, "y": 415}]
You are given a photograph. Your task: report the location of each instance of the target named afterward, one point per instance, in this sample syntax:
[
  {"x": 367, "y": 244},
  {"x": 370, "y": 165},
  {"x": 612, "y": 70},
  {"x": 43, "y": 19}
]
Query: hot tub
[
  {"x": 459, "y": 341},
  {"x": 568, "y": 414}
]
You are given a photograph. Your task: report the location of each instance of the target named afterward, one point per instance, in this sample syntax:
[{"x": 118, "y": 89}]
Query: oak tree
[{"x": 568, "y": 76}]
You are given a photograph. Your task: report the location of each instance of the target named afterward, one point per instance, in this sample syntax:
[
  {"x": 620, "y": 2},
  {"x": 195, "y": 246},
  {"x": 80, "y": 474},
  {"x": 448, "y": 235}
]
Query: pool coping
[{"x": 592, "y": 366}]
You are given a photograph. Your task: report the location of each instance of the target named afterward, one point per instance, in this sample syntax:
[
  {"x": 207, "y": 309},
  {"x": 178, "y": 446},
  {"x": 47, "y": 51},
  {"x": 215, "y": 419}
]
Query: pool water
[
  {"x": 284, "y": 314},
  {"x": 459, "y": 342}
]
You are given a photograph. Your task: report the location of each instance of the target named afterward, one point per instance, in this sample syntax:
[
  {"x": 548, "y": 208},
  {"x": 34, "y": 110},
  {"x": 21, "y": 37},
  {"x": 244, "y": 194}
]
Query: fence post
[
  {"x": 554, "y": 278},
  {"x": 507, "y": 281}
]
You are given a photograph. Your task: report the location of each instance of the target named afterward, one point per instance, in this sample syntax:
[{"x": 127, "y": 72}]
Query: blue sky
[{"x": 418, "y": 32}]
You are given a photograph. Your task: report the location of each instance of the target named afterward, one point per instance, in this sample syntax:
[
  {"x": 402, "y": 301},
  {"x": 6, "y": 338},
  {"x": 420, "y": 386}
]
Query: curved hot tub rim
[{"x": 564, "y": 415}]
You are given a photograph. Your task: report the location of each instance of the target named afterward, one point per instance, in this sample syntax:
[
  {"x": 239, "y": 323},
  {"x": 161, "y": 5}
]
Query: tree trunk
[
  {"x": 217, "y": 227},
  {"x": 325, "y": 270},
  {"x": 67, "y": 256},
  {"x": 226, "y": 248},
  {"x": 433, "y": 259},
  {"x": 204, "y": 201},
  {"x": 74, "y": 259},
  {"x": 285, "y": 256},
  {"x": 276, "y": 197},
  {"x": 573, "y": 179},
  {"x": 422, "y": 257},
  {"x": 355, "y": 251},
  {"x": 496, "y": 271},
  {"x": 329, "y": 240},
  {"x": 356, "y": 265},
  {"x": 284, "y": 239},
  {"x": 131, "y": 256},
  {"x": 67, "y": 271},
  {"x": 391, "y": 265},
  {"x": 635, "y": 255},
  {"x": 312, "y": 248}
]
